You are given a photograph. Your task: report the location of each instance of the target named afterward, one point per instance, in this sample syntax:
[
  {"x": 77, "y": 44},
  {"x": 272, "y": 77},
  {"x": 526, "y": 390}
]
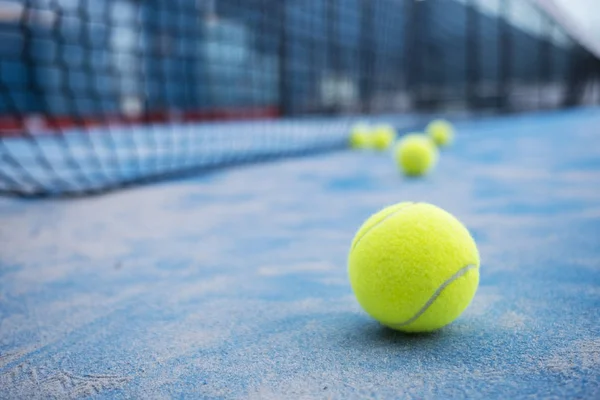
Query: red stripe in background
[{"x": 36, "y": 124}]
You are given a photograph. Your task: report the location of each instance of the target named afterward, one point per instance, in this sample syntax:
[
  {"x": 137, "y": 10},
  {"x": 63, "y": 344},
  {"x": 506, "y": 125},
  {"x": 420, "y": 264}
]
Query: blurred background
[{"x": 69, "y": 67}]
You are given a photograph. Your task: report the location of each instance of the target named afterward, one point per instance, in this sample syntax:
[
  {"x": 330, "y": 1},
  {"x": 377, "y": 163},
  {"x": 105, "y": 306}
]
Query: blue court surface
[{"x": 233, "y": 284}]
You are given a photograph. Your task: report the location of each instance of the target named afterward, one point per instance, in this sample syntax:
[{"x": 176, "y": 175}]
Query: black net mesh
[{"x": 96, "y": 95}]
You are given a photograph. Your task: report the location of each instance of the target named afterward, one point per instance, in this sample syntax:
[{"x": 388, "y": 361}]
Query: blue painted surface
[{"x": 234, "y": 285}]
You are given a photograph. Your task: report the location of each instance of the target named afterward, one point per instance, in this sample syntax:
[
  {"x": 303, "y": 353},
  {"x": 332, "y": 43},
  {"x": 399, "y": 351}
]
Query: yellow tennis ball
[
  {"x": 413, "y": 267},
  {"x": 441, "y": 132},
  {"x": 383, "y": 136},
  {"x": 416, "y": 154},
  {"x": 360, "y": 136}
]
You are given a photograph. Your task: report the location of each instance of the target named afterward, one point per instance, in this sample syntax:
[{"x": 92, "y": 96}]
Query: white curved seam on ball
[
  {"x": 436, "y": 294},
  {"x": 380, "y": 222}
]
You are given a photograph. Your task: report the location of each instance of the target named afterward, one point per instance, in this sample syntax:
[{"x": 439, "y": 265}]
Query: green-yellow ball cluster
[
  {"x": 379, "y": 137},
  {"x": 416, "y": 155},
  {"x": 413, "y": 267}
]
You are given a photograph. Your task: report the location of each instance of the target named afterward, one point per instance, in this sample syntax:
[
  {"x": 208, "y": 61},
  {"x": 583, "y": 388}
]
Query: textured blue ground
[{"x": 233, "y": 285}]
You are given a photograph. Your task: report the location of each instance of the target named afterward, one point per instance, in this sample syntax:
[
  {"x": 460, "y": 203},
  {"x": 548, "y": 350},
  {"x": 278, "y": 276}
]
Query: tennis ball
[
  {"x": 416, "y": 154},
  {"x": 441, "y": 132},
  {"x": 383, "y": 136},
  {"x": 413, "y": 267},
  {"x": 360, "y": 136}
]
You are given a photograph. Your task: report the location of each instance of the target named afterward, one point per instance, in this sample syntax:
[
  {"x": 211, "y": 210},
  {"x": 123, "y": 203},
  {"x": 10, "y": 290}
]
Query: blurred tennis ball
[
  {"x": 441, "y": 132},
  {"x": 360, "y": 136},
  {"x": 416, "y": 154},
  {"x": 383, "y": 136}
]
